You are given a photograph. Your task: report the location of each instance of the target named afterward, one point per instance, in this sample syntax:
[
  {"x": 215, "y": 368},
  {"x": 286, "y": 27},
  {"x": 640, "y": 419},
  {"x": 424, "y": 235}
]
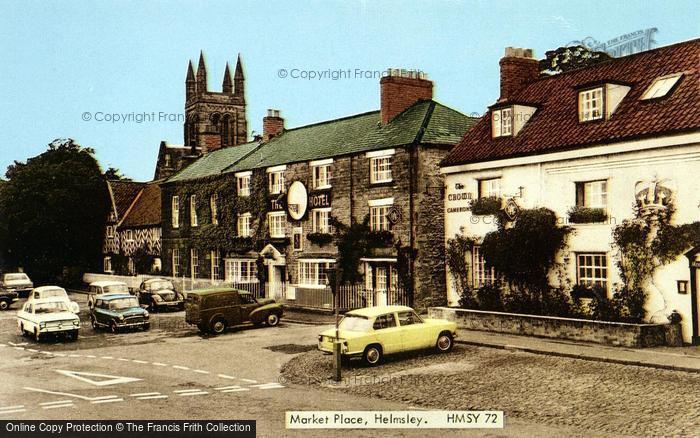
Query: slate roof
[
  {"x": 213, "y": 163},
  {"x": 123, "y": 194},
  {"x": 555, "y": 125},
  {"x": 145, "y": 210}
]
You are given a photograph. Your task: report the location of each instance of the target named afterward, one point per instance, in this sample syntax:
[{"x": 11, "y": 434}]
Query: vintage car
[
  {"x": 42, "y": 292},
  {"x": 16, "y": 282},
  {"x": 213, "y": 310},
  {"x": 373, "y": 332},
  {"x": 159, "y": 293},
  {"x": 118, "y": 311},
  {"x": 7, "y": 298},
  {"x": 104, "y": 288},
  {"x": 49, "y": 316}
]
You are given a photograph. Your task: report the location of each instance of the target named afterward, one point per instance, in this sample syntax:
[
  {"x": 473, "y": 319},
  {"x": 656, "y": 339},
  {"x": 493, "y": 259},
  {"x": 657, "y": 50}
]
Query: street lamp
[{"x": 332, "y": 282}]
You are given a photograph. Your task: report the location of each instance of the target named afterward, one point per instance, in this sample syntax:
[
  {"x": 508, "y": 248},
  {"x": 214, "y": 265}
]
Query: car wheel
[
  {"x": 37, "y": 335},
  {"x": 272, "y": 319},
  {"x": 218, "y": 326},
  {"x": 147, "y": 326},
  {"x": 74, "y": 335},
  {"x": 4, "y": 305},
  {"x": 444, "y": 342},
  {"x": 113, "y": 327},
  {"x": 22, "y": 331},
  {"x": 372, "y": 355},
  {"x": 93, "y": 322}
]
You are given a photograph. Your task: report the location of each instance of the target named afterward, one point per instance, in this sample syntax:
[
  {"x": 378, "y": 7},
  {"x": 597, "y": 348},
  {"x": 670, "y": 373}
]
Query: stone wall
[{"x": 600, "y": 332}]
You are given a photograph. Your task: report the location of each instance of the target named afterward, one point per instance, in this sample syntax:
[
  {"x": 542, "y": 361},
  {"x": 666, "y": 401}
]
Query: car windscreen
[
  {"x": 159, "y": 285},
  {"x": 16, "y": 277},
  {"x": 51, "y": 293},
  {"x": 116, "y": 288},
  {"x": 123, "y": 303},
  {"x": 355, "y": 323},
  {"x": 52, "y": 307}
]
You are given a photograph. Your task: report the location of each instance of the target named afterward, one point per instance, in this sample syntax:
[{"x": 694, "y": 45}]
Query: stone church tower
[{"x": 214, "y": 120}]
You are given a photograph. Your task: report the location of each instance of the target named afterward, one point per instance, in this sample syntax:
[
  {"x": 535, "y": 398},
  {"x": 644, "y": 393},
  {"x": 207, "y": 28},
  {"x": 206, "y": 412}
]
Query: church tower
[{"x": 214, "y": 120}]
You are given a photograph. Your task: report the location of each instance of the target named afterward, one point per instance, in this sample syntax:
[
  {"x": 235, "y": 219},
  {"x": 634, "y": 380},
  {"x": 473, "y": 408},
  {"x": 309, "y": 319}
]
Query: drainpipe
[{"x": 692, "y": 257}]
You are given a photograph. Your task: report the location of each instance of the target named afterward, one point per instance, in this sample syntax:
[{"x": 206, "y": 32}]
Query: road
[{"x": 172, "y": 372}]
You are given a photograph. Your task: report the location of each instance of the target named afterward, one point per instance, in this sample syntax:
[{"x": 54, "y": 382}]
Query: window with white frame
[
  {"x": 243, "y": 183},
  {"x": 313, "y": 273},
  {"x": 590, "y": 104},
  {"x": 244, "y": 225},
  {"x": 490, "y": 188},
  {"x": 175, "y": 208},
  {"x": 193, "y": 211},
  {"x": 277, "y": 221},
  {"x": 378, "y": 211},
  {"x": 380, "y": 169},
  {"x": 322, "y": 176},
  {"x": 276, "y": 182},
  {"x": 502, "y": 122},
  {"x": 107, "y": 264},
  {"x": 483, "y": 273},
  {"x": 110, "y": 231},
  {"x": 592, "y": 194},
  {"x": 661, "y": 86},
  {"x": 129, "y": 235},
  {"x": 215, "y": 265},
  {"x": 592, "y": 269},
  {"x": 131, "y": 266},
  {"x": 321, "y": 220},
  {"x": 176, "y": 262},
  {"x": 214, "y": 208},
  {"x": 194, "y": 264},
  {"x": 241, "y": 271}
]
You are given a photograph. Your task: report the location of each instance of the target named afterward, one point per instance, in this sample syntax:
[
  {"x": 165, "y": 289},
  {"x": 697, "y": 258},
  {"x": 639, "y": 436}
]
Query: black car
[
  {"x": 7, "y": 297},
  {"x": 159, "y": 293}
]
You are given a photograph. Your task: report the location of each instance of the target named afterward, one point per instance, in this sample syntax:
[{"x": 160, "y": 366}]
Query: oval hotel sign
[{"x": 297, "y": 200}]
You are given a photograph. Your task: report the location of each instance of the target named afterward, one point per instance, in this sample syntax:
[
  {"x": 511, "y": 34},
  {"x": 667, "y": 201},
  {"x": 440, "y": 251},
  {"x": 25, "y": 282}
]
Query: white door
[{"x": 381, "y": 285}]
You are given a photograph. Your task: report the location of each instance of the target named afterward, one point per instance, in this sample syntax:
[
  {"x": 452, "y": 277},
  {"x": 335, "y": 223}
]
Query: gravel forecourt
[{"x": 620, "y": 400}]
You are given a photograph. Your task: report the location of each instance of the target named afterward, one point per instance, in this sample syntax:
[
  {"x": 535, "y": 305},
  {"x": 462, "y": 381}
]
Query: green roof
[{"x": 213, "y": 163}]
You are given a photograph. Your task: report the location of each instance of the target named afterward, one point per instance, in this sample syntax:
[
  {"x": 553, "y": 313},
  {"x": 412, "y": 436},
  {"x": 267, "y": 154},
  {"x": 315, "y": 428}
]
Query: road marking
[
  {"x": 3, "y": 345},
  {"x": 59, "y": 354},
  {"x": 13, "y": 411},
  {"x": 201, "y": 371},
  {"x": 111, "y": 400},
  {"x": 19, "y": 348},
  {"x": 123, "y": 360},
  {"x": 272, "y": 386},
  {"x": 236, "y": 390},
  {"x": 91, "y": 356},
  {"x": 74, "y": 355},
  {"x": 47, "y": 353},
  {"x": 33, "y": 350},
  {"x": 227, "y": 387},
  {"x": 152, "y": 397},
  {"x": 106, "y": 357},
  {"x": 180, "y": 367},
  {"x": 144, "y": 393},
  {"x": 65, "y": 405},
  {"x": 59, "y": 402},
  {"x": 159, "y": 364},
  {"x": 11, "y": 407},
  {"x": 179, "y": 391},
  {"x": 138, "y": 361},
  {"x": 68, "y": 394},
  {"x": 193, "y": 393},
  {"x": 19, "y": 344},
  {"x": 224, "y": 376},
  {"x": 250, "y": 381},
  {"x": 110, "y": 380}
]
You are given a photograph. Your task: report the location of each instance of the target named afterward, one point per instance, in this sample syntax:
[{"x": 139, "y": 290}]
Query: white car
[
  {"x": 106, "y": 287},
  {"x": 47, "y": 316},
  {"x": 43, "y": 292},
  {"x": 16, "y": 281}
]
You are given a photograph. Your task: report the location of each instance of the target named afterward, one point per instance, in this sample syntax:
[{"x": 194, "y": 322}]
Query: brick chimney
[
  {"x": 401, "y": 89},
  {"x": 273, "y": 124},
  {"x": 518, "y": 68}
]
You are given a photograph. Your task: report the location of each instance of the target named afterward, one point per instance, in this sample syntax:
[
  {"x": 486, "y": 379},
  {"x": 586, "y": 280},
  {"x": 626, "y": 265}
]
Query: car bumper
[
  {"x": 169, "y": 304},
  {"x": 55, "y": 330},
  {"x": 133, "y": 324},
  {"x": 327, "y": 348}
]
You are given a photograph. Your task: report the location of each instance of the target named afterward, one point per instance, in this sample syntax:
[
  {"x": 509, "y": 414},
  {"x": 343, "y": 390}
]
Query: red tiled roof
[
  {"x": 123, "y": 193},
  {"x": 146, "y": 208},
  {"x": 555, "y": 125}
]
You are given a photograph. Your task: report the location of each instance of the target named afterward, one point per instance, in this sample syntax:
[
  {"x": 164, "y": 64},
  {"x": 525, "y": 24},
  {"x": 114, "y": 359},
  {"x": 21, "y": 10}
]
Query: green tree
[
  {"x": 52, "y": 212},
  {"x": 570, "y": 58},
  {"x": 114, "y": 174}
]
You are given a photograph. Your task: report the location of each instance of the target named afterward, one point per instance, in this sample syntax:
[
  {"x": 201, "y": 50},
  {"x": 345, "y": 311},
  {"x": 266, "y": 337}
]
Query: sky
[{"x": 64, "y": 62}]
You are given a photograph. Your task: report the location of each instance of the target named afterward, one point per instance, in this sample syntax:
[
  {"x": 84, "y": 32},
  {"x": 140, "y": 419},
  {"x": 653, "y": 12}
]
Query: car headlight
[
  {"x": 42, "y": 324},
  {"x": 145, "y": 313},
  {"x": 320, "y": 338},
  {"x": 121, "y": 317},
  {"x": 157, "y": 298},
  {"x": 76, "y": 322},
  {"x": 180, "y": 297}
]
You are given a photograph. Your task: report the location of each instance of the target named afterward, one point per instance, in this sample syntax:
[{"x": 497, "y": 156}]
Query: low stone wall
[{"x": 601, "y": 332}]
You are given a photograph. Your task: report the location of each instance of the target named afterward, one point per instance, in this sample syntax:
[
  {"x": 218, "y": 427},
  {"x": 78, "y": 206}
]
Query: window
[
  {"x": 129, "y": 235},
  {"x": 276, "y": 181},
  {"x": 483, "y": 273},
  {"x": 384, "y": 321},
  {"x": 322, "y": 176},
  {"x": 277, "y": 221},
  {"x": 409, "y": 318},
  {"x": 194, "y": 263},
  {"x": 131, "y": 266},
  {"x": 244, "y": 225},
  {"x": 107, "y": 264},
  {"x": 661, "y": 86},
  {"x": 590, "y": 105},
  {"x": 175, "y": 211},
  {"x": 378, "y": 210},
  {"x": 381, "y": 282},
  {"x": 502, "y": 122},
  {"x": 241, "y": 271},
  {"x": 490, "y": 188},
  {"x": 297, "y": 239},
  {"x": 110, "y": 231},
  {"x": 176, "y": 262},
  {"x": 381, "y": 169},
  {"x": 213, "y": 201},
  {"x": 215, "y": 265},
  {"x": 321, "y": 220},
  {"x": 313, "y": 273},
  {"x": 243, "y": 183},
  {"x": 193, "y": 211},
  {"x": 592, "y": 194},
  {"x": 592, "y": 269},
  {"x": 168, "y": 160}
]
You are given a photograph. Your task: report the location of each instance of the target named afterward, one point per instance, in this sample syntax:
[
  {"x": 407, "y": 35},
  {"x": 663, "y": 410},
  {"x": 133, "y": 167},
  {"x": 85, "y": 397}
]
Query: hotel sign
[{"x": 320, "y": 199}]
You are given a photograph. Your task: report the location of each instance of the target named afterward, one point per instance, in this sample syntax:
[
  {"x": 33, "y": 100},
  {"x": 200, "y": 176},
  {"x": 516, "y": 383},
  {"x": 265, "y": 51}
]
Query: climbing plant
[{"x": 456, "y": 252}]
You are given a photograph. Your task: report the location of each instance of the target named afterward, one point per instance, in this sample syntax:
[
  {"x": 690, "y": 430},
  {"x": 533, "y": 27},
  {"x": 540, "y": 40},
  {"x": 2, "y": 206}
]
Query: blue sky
[{"x": 62, "y": 59}]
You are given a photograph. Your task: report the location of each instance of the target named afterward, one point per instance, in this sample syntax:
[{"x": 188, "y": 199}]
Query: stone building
[
  {"x": 615, "y": 141},
  {"x": 262, "y": 213}
]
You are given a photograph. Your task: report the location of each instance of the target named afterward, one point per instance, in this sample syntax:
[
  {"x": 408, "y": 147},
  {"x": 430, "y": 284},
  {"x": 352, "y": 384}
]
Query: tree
[
  {"x": 114, "y": 174},
  {"x": 570, "y": 58},
  {"x": 52, "y": 212}
]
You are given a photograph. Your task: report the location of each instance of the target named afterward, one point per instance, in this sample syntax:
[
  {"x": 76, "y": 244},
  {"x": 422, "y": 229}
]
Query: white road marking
[
  {"x": 68, "y": 394},
  {"x": 272, "y": 386},
  {"x": 47, "y": 353},
  {"x": 59, "y": 354},
  {"x": 11, "y": 407},
  {"x": 201, "y": 371},
  {"x": 152, "y": 397},
  {"x": 106, "y": 357},
  {"x": 58, "y": 402},
  {"x": 179, "y": 391},
  {"x": 65, "y": 405},
  {"x": 123, "y": 360},
  {"x": 19, "y": 348},
  {"x": 92, "y": 356},
  {"x": 3, "y": 345},
  {"x": 193, "y": 393},
  {"x": 224, "y": 376},
  {"x": 236, "y": 390},
  {"x": 107, "y": 378},
  {"x": 111, "y": 400},
  {"x": 33, "y": 350},
  {"x": 227, "y": 387},
  {"x": 18, "y": 344},
  {"x": 13, "y": 411},
  {"x": 144, "y": 393},
  {"x": 74, "y": 355},
  {"x": 138, "y": 361},
  {"x": 159, "y": 364},
  {"x": 250, "y": 381},
  {"x": 180, "y": 367}
]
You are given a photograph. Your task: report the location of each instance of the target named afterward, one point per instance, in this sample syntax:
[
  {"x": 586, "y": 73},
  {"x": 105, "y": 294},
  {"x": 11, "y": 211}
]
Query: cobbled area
[{"x": 590, "y": 396}]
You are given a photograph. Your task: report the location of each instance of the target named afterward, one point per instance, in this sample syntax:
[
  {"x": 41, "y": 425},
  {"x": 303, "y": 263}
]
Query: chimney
[
  {"x": 273, "y": 124},
  {"x": 402, "y": 88},
  {"x": 518, "y": 68}
]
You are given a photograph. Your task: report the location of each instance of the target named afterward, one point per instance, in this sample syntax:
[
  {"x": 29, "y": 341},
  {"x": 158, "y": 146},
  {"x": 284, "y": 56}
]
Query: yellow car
[{"x": 372, "y": 332}]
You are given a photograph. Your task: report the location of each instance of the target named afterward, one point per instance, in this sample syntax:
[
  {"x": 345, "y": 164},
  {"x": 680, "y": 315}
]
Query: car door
[
  {"x": 99, "y": 312},
  {"x": 414, "y": 333},
  {"x": 248, "y": 304},
  {"x": 232, "y": 309},
  {"x": 388, "y": 333},
  {"x": 23, "y": 316}
]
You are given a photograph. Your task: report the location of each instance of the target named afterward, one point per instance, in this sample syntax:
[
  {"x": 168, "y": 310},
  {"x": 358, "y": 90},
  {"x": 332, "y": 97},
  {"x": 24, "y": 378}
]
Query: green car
[
  {"x": 373, "y": 332},
  {"x": 118, "y": 311},
  {"x": 213, "y": 310}
]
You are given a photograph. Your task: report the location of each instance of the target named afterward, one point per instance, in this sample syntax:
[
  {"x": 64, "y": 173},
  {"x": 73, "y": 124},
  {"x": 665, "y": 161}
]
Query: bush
[
  {"x": 490, "y": 297},
  {"x": 585, "y": 215},
  {"x": 320, "y": 239},
  {"x": 380, "y": 238},
  {"x": 486, "y": 206}
]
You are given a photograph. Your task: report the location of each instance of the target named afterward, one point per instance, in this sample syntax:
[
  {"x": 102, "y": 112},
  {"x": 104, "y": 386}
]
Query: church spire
[
  {"x": 238, "y": 78},
  {"x": 227, "y": 86},
  {"x": 190, "y": 84},
  {"x": 201, "y": 75}
]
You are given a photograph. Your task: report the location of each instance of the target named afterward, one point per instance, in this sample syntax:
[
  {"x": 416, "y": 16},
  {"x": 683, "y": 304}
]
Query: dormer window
[
  {"x": 661, "y": 86},
  {"x": 590, "y": 105},
  {"x": 502, "y": 122}
]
